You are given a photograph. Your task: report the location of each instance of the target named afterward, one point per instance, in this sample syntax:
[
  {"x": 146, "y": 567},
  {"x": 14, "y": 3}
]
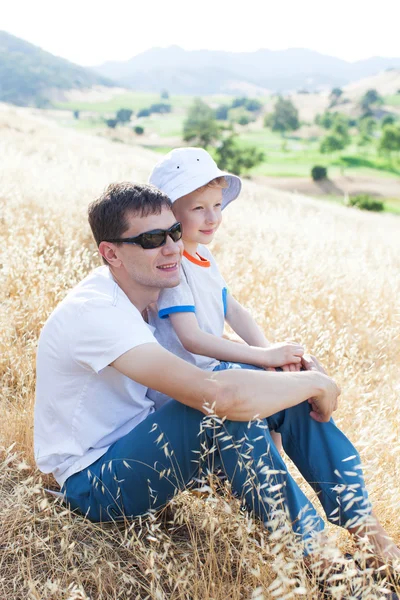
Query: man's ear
[{"x": 108, "y": 252}]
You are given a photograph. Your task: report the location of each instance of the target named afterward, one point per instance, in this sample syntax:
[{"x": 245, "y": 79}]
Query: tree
[
  {"x": 111, "y": 123},
  {"x": 285, "y": 116},
  {"x": 160, "y": 107},
  {"x": 76, "y": 114},
  {"x": 366, "y": 128},
  {"x": 236, "y": 102},
  {"x": 164, "y": 94},
  {"x": 332, "y": 143},
  {"x": 221, "y": 112},
  {"x": 390, "y": 140},
  {"x": 325, "y": 120},
  {"x": 253, "y": 105},
  {"x": 334, "y": 96},
  {"x": 143, "y": 112},
  {"x": 388, "y": 120},
  {"x": 124, "y": 115},
  {"x": 231, "y": 157},
  {"x": 200, "y": 126},
  {"x": 370, "y": 98},
  {"x": 340, "y": 128},
  {"x": 139, "y": 130}
]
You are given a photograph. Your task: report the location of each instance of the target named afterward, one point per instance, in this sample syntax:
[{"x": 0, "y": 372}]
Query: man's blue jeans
[{"x": 176, "y": 444}]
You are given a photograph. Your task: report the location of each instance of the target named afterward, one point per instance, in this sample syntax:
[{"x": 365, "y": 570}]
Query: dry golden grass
[{"x": 321, "y": 274}]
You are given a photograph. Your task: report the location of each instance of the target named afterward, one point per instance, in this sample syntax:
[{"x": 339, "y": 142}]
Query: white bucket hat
[{"x": 184, "y": 170}]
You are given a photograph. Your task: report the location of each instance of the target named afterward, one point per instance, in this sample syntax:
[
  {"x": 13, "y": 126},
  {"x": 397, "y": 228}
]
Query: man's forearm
[
  {"x": 238, "y": 394},
  {"x": 248, "y": 394}
]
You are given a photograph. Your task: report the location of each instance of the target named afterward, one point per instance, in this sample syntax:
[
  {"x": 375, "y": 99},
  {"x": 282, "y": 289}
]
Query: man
[{"x": 114, "y": 456}]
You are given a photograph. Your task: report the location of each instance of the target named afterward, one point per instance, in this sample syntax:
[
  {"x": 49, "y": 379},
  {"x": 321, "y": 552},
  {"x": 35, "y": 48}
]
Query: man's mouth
[{"x": 168, "y": 267}]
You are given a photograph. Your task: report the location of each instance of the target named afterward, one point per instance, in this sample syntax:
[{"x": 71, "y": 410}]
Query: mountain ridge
[
  {"x": 276, "y": 70},
  {"x": 28, "y": 73}
]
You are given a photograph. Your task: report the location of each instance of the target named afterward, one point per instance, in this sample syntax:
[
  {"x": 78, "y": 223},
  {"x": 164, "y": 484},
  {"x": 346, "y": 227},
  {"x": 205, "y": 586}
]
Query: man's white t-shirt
[{"x": 82, "y": 404}]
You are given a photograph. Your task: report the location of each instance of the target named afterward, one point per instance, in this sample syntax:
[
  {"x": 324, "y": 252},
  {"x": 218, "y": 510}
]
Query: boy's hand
[{"x": 283, "y": 354}]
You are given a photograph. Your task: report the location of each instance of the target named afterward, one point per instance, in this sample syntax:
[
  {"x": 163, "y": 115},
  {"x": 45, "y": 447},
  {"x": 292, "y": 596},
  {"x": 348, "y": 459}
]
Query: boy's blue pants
[{"x": 171, "y": 448}]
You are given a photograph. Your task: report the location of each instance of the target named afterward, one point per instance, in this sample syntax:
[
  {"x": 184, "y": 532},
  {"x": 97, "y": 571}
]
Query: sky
[{"x": 90, "y": 32}]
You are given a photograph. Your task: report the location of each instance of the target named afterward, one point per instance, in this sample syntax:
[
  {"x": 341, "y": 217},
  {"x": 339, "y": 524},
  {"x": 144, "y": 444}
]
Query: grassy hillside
[
  {"x": 28, "y": 73},
  {"x": 326, "y": 276}
]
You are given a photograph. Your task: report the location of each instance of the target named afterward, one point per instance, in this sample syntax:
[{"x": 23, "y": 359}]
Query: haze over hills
[
  {"x": 32, "y": 76},
  {"x": 210, "y": 72},
  {"x": 28, "y": 74}
]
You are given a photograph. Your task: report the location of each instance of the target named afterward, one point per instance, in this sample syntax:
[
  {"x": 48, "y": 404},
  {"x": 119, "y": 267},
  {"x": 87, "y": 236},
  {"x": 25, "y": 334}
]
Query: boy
[{"x": 190, "y": 318}]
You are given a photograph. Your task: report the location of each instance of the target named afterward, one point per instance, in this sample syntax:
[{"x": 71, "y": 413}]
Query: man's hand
[
  {"x": 326, "y": 401},
  {"x": 310, "y": 363}
]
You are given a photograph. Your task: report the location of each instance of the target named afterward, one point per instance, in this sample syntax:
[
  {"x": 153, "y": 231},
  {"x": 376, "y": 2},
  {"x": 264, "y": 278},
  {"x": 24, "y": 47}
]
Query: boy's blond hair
[{"x": 219, "y": 182}]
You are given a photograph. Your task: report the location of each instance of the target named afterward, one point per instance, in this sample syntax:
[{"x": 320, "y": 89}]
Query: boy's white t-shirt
[
  {"x": 202, "y": 291},
  {"x": 82, "y": 404}
]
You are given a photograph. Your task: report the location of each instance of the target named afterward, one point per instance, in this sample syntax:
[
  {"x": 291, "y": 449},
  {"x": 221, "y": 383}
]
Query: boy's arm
[
  {"x": 243, "y": 324},
  {"x": 246, "y": 327},
  {"x": 196, "y": 341}
]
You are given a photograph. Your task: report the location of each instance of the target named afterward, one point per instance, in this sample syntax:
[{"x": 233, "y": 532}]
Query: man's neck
[{"x": 139, "y": 295}]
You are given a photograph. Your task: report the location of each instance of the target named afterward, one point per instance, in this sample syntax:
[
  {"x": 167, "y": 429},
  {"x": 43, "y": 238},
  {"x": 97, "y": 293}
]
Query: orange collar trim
[{"x": 201, "y": 262}]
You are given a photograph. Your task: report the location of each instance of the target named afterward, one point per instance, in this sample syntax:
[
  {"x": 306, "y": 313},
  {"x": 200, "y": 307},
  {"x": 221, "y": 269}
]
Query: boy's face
[{"x": 200, "y": 214}]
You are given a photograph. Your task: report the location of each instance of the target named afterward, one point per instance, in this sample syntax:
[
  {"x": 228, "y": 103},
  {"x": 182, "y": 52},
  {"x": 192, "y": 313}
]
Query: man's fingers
[
  {"x": 318, "y": 417},
  {"x": 307, "y": 362}
]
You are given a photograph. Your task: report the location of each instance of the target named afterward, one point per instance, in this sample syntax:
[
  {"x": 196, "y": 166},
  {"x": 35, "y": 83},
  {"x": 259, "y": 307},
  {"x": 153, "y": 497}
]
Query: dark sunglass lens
[
  {"x": 152, "y": 240},
  {"x": 176, "y": 232}
]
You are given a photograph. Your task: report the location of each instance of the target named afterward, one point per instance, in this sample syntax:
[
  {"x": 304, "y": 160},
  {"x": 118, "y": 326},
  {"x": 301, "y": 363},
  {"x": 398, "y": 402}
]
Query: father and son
[{"x": 135, "y": 381}]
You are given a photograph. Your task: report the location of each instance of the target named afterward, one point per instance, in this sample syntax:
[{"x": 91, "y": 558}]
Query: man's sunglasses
[{"x": 152, "y": 239}]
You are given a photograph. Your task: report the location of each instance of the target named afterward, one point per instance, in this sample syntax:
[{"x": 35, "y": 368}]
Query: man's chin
[{"x": 171, "y": 284}]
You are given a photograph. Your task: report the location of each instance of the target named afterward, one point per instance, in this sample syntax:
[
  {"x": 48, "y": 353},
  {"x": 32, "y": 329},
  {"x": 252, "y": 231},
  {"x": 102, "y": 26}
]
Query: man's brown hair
[{"x": 108, "y": 213}]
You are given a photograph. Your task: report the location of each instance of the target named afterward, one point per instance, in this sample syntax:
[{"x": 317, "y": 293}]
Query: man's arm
[{"x": 238, "y": 394}]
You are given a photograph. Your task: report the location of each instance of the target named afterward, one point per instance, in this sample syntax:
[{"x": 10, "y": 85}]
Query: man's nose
[{"x": 171, "y": 247}]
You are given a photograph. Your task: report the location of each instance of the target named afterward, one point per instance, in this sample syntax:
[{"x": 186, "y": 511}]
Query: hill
[
  {"x": 211, "y": 72},
  {"x": 28, "y": 74},
  {"x": 321, "y": 274}
]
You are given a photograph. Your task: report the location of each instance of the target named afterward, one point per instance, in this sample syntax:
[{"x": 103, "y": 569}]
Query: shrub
[
  {"x": 366, "y": 202},
  {"x": 139, "y": 130},
  {"x": 160, "y": 107},
  {"x": 144, "y": 112},
  {"x": 318, "y": 172},
  {"x": 112, "y": 123},
  {"x": 221, "y": 112},
  {"x": 124, "y": 115}
]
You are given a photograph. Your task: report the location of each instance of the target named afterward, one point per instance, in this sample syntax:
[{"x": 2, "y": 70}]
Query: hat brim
[{"x": 229, "y": 193}]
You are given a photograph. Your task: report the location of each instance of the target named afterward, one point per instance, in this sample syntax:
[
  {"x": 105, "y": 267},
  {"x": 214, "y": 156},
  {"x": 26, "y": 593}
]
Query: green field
[
  {"x": 285, "y": 156},
  {"x": 393, "y": 100}
]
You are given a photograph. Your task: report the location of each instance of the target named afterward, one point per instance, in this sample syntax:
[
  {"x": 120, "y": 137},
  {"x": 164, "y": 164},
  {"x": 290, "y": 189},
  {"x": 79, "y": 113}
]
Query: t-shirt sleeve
[
  {"x": 177, "y": 299},
  {"x": 103, "y": 333}
]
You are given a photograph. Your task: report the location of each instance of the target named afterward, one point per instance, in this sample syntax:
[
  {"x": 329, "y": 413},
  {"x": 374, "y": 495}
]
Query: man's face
[{"x": 156, "y": 267}]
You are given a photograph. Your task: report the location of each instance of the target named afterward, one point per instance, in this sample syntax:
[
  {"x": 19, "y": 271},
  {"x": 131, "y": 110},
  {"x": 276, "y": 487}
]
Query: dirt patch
[{"x": 340, "y": 186}]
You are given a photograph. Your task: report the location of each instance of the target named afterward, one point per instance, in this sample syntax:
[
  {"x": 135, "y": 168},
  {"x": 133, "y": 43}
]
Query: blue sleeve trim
[
  {"x": 165, "y": 312},
  {"x": 225, "y": 300}
]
